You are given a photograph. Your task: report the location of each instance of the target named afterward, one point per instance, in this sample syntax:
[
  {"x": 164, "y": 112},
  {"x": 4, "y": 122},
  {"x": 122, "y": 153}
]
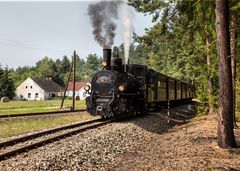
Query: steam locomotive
[{"x": 118, "y": 90}]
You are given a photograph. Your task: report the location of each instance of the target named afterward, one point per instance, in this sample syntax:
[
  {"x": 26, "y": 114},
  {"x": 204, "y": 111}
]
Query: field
[
  {"x": 11, "y": 127},
  {"x": 17, "y": 107}
]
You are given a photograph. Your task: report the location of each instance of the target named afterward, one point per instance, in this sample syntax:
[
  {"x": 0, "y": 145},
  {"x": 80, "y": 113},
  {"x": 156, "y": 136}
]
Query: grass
[
  {"x": 12, "y": 127},
  {"x": 20, "y": 107}
]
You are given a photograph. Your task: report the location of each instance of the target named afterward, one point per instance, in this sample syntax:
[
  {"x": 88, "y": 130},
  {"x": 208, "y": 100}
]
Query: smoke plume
[
  {"x": 103, "y": 16},
  {"x": 126, "y": 20}
]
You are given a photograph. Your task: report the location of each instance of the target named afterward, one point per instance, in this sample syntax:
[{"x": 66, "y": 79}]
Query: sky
[{"x": 31, "y": 30}]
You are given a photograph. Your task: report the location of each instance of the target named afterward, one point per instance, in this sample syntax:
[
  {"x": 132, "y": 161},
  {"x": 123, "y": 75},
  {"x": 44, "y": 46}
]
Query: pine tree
[
  {"x": 7, "y": 85},
  {"x": 92, "y": 65},
  {"x": 225, "y": 132},
  {"x": 1, "y": 81}
]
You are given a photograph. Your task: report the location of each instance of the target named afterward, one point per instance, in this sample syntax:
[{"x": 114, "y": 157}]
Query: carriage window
[
  {"x": 162, "y": 82},
  {"x": 178, "y": 86}
]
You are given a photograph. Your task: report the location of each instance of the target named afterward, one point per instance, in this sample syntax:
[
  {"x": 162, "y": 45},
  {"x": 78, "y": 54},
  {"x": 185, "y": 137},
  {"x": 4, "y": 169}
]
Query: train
[{"x": 130, "y": 89}]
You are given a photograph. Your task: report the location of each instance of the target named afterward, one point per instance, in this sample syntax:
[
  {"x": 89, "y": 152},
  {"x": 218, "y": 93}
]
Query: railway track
[
  {"x": 21, "y": 144},
  {"x": 41, "y": 113}
]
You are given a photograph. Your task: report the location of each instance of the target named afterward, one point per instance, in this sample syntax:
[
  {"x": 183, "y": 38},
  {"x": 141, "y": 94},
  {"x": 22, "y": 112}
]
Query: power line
[{"x": 18, "y": 44}]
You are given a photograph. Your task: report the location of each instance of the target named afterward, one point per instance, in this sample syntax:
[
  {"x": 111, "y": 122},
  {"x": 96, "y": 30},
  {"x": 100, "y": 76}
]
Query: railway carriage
[
  {"x": 118, "y": 90},
  {"x": 163, "y": 89}
]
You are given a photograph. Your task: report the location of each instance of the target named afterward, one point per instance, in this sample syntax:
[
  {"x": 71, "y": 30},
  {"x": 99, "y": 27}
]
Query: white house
[
  {"x": 38, "y": 89},
  {"x": 80, "y": 93}
]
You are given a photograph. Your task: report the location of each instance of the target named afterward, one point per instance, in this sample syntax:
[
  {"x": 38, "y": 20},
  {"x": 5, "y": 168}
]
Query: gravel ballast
[{"x": 144, "y": 143}]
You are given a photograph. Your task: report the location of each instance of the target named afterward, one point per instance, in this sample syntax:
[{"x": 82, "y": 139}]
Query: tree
[
  {"x": 44, "y": 67},
  {"x": 80, "y": 63},
  {"x": 22, "y": 73},
  {"x": 225, "y": 132},
  {"x": 65, "y": 65},
  {"x": 92, "y": 65},
  {"x": 233, "y": 45},
  {"x": 1, "y": 81},
  {"x": 137, "y": 54},
  {"x": 7, "y": 86},
  {"x": 58, "y": 75}
]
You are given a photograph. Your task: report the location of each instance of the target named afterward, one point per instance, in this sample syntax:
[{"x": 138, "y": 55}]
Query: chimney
[{"x": 107, "y": 58}]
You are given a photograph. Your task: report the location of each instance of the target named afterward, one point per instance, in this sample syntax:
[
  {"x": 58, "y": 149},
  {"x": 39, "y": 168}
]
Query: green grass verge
[
  {"x": 37, "y": 106},
  {"x": 12, "y": 127}
]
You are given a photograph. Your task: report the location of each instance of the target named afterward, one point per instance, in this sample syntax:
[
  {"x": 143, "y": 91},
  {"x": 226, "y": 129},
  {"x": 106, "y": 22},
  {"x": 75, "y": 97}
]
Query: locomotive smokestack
[{"x": 107, "y": 58}]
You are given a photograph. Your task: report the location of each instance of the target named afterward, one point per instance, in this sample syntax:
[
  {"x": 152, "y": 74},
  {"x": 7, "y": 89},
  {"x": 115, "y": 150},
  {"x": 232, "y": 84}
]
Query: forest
[
  {"x": 197, "y": 40},
  {"x": 182, "y": 43}
]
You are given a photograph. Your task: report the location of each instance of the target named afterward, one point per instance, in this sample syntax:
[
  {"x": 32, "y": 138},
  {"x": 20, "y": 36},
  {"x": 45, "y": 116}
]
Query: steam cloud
[
  {"x": 128, "y": 30},
  {"x": 103, "y": 17}
]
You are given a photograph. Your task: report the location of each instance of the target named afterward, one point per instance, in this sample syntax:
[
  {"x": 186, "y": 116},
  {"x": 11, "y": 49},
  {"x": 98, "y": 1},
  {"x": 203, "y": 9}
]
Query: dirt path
[{"x": 190, "y": 146}]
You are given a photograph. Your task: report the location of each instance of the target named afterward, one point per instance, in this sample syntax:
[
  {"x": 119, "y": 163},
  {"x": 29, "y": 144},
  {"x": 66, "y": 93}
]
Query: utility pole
[
  {"x": 73, "y": 74},
  {"x": 69, "y": 76}
]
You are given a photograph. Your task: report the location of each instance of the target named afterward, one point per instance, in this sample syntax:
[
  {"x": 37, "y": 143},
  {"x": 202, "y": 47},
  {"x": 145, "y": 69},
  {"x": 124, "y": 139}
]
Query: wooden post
[
  {"x": 74, "y": 80},
  {"x": 69, "y": 76},
  {"x": 168, "y": 112}
]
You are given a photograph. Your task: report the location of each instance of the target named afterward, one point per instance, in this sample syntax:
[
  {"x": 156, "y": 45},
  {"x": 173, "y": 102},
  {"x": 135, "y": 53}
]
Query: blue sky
[{"x": 31, "y": 30}]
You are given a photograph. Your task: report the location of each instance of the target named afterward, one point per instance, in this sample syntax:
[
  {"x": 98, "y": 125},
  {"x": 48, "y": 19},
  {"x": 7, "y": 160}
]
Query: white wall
[
  {"x": 81, "y": 93},
  {"x": 28, "y": 89}
]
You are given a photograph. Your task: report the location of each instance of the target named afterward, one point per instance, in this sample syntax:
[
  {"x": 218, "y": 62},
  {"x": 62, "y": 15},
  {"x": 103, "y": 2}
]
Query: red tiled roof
[{"x": 78, "y": 86}]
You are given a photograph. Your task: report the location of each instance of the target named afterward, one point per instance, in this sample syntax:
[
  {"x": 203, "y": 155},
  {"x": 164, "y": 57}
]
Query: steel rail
[
  {"x": 40, "y": 113},
  {"x": 49, "y": 131},
  {"x": 39, "y": 143}
]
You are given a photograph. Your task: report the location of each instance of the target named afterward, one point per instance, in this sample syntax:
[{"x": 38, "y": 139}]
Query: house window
[
  {"x": 31, "y": 87},
  {"x": 36, "y": 95},
  {"x": 26, "y": 87},
  {"x": 29, "y": 95}
]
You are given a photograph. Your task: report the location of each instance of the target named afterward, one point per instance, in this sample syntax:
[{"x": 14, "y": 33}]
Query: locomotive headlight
[
  {"x": 121, "y": 88},
  {"x": 104, "y": 63},
  {"x": 87, "y": 87}
]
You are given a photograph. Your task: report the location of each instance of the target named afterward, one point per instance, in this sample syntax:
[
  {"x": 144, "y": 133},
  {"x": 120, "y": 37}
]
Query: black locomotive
[{"x": 119, "y": 90}]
